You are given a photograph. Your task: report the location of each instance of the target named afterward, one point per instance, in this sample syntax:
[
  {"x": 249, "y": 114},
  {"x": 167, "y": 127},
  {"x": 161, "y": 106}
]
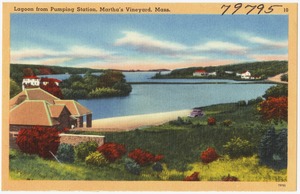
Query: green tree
[
  {"x": 276, "y": 91},
  {"x": 14, "y": 88},
  {"x": 267, "y": 147}
]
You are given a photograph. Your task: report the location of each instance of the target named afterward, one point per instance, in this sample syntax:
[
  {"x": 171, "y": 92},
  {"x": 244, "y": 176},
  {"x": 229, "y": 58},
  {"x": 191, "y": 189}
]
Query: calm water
[{"x": 154, "y": 98}]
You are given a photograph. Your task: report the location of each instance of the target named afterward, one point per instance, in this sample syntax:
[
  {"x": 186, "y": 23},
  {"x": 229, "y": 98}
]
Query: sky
[{"x": 112, "y": 41}]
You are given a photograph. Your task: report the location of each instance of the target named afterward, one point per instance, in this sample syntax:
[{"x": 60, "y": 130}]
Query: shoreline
[{"x": 132, "y": 122}]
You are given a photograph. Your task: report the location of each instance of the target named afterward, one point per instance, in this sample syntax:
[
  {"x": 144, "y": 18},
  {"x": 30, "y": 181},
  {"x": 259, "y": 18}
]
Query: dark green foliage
[
  {"x": 108, "y": 84},
  {"x": 157, "y": 167},
  {"x": 267, "y": 146},
  {"x": 282, "y": 146},
  {"x": 180, "y": 122},
  {"x": 238, "y": 147},
  {"x": 65, "y": 153},
  {"x": 84, "y": 149},
  {"x": 284, "y": 77},
  {"x": 276, "y": 91},
  {"x": 242, "y": 103},
  {"x": 96, "y": 159},
  {"x": 264, "y": 69},
  {"x": 227, "y": 123},
  {"x": 14, "y": 88},
  {"x": 123, "y": 88},
  {"x": 132, "y": 167},
  {"x": 272, "y": 150}
]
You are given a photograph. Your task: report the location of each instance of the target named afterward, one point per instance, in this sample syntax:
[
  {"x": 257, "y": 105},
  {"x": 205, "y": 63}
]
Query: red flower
[
  {"x": 209, "y": 155},
  {"x": 211, "y": 121},
  {"x": 112, "y": 151},
  {"x": 193, "y": 177},
  {"x": 144, "y": 158},
  {"x": 39, "y": 140}
]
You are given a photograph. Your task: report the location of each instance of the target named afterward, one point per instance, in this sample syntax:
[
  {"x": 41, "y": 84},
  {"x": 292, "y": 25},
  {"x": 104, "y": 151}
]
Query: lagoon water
[{"x": 154, "y": 98}]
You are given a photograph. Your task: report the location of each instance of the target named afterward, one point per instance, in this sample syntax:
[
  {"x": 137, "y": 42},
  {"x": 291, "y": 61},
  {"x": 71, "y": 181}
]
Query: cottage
[
  {"x": 200, "y": 73},
  {"x": 34, "y": 106},
  {"x": 30, "y": 82},
  {"x": 212, "y": 74},
  {"x": 246, "y": 75}
]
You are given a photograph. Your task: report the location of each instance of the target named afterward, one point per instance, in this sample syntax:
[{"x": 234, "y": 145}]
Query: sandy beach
[{"x": 128, "y": 123}]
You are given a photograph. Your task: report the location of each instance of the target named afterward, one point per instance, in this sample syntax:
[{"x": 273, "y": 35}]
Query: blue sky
[{"x": 146, "y": 41}]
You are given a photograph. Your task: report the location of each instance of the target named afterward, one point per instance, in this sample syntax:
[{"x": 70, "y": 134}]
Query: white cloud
[
  {"x": 262, "y": 41},
  {"x": 146, "y": 43},
  {"x": 53, "y": 57},
  {"x": 220, "y": 46}
]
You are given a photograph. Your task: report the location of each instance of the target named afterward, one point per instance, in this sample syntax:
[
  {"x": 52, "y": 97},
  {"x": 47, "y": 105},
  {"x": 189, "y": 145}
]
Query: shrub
[
  {"x": 132, "y": 167},
  {"x": 209, "y": 155},
  {"x": 276, "y": 91},
  {"x": 96, "y": 159},
  {"x": 267, "y": 147},
  {"x": 38, "y": 140},
  {"x": 282, "y": 145},
  {"x": 84, "y": 149},
  {"x": 144, "y": 158},
  {"x": 272, "y": 150},
  {"x": 238, "y": 147},
  {"x": 65, "y": 153},
  {"x": 284, "y": 77},
  {"x": 211, "y": 121},
  {"x": 177, "y": 122},
  {"x": 274, "y": 109},
  {"x": 103, "y": 92},
  {"x": 227, "y": 123},
  {"x": 229, "y": 178},
  {"x": 112, "y": 151},
  {"x": 193, "y": 177},
  {"x": 241, "y": 103},
  {"x": 157, "y": 167}
]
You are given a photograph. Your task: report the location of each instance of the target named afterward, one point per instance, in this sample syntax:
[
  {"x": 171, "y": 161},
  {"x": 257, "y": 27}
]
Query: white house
[
  {"x": 30, "y": 81},
  {"x": 200, "y": 73},
  {"x": 212, "y": 73},
  {"x": 246, "y": 75}
]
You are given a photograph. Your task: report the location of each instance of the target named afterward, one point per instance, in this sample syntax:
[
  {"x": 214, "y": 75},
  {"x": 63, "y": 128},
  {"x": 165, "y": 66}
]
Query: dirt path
[{"x": 277, "y": 79}]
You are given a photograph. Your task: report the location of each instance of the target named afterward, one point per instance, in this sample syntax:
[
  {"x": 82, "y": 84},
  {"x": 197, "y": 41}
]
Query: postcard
[{"x": 149, "y": 96}]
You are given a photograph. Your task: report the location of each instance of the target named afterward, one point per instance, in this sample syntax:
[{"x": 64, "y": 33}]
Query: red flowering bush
[
  {"x": 39, "y": 140},
  {"x": 229, "y": 178},
  {"x": 144, "y": 158},
  {"x": 112, "y": 151},
  {"x": 193, "y": 177},
  {"x": 209, "y": 155},
  {"x": 52, "y": 88},
  {"x": 211, "y": 121},
  {"x": 274, "y": 109}
]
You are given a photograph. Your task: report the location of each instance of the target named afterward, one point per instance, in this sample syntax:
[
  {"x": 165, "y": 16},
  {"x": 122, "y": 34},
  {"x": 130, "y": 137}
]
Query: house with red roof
[
  {"x": 36, "y": 107},
  {"x": 31, "y": 81},
  {"x": 246, "y": 75},
  {"x": 200, "y": 73}
]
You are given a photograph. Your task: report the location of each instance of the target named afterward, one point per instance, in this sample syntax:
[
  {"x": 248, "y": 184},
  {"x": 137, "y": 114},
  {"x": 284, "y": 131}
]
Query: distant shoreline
[{"x": 241, "y": 82}]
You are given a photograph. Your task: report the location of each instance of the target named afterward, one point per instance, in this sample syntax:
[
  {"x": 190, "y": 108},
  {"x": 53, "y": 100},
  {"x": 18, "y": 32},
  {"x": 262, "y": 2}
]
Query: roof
[
  {"x": 200, "y": 71},
  {"x": 56, "y": 110},
  {"x": 40, "y": 94},
  {"x": 32, "y": 112},
  {"x": 74, "y": 107}
]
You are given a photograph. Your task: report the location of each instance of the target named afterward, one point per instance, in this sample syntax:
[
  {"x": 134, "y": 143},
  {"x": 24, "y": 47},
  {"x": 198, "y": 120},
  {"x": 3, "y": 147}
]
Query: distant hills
[{"x": 264, "y": 69}]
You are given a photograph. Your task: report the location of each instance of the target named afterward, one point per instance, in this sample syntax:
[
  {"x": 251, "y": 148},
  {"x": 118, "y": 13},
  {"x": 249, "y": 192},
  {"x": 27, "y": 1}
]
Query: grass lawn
[{"x": 181, "y": 142}]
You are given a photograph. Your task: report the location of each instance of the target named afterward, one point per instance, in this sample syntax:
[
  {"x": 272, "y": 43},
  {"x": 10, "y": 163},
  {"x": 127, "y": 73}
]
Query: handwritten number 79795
[{"x": 250, "y": 8}]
